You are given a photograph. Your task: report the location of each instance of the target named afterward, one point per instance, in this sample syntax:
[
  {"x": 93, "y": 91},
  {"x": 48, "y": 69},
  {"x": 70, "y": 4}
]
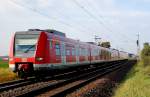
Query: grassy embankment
[
  {"x": 5, "y": 73},
  {"x": 136, "y": 83}
]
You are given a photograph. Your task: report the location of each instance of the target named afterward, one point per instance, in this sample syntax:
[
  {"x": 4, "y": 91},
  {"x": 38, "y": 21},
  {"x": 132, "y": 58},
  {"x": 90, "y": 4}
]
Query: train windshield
[{"x": 25, "y": 45}]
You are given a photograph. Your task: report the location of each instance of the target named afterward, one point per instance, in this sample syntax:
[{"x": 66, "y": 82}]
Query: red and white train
[{"x": 46, "y": 50}]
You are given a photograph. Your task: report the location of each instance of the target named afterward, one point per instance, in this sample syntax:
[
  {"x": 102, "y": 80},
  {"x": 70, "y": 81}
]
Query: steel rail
[
  {"x": 64, "y": 92},
  {"x": 11, "y": 85},
  {"x": 62, "y": 83},
  {"x": 16, "y": 83}
]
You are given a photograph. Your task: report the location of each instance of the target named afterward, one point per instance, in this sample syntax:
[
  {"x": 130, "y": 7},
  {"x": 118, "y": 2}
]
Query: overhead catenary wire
[
  {"x": 100, "y": 21},
  {"x": 107, "y": 22},
  {"x": 123, "y": 35},
  {"x": 47, "y": 16},
  {"x": 91, "y": 15},
  {"x": 94, "y": 18},
  {"x": 43, "y": 14},
  {"x": 84, "y": 28}
]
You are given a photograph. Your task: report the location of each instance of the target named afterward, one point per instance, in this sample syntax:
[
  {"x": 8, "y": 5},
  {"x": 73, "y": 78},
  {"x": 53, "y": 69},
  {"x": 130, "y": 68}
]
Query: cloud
[{"x": 66, "y": 16}]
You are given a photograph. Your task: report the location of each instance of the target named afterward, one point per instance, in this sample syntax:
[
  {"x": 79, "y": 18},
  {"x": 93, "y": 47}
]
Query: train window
[
  {"x": 25, "y": 43},
  {"x": 99, "y": 52},
  {"x": 82, "y": 52},
  {"x": 67, "y": 52},
  {"x": 86, "y": 52},
  {"x": 51, "y": 44},
  {"x": 89, "y": 53},
  {"x": 96, "y": 52},
  {"x": 73, "y": 51},
  {"x": 102, "y": 53},
  {"x": 57, "y": 48}
]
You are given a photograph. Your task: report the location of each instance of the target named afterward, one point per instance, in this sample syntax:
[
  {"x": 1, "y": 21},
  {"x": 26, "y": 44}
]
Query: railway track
[
  {"x": 61, "y": 83},
  {"x": 16, "y": 83},
  {"x": 77, "y": 82}
]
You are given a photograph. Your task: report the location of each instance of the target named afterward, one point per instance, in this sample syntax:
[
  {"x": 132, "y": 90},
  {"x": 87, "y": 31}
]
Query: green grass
[
  {"x": 3, "y": 64},
  {"x": 136, "y": 83},
  {"x": 5, "y": 73}
]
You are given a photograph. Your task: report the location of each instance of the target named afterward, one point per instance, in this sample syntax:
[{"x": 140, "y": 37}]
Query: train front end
[{"x": 24, "y": 52}]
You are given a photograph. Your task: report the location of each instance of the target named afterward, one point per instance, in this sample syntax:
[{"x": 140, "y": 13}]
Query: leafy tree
[
  {"x": 105, "y": 44},
  {"x": 146, "y": 50}
]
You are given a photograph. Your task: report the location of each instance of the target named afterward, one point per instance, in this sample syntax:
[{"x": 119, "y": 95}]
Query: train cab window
[
  {"x": 57, "y": 48},
  {"x": 25, "y": 45}
]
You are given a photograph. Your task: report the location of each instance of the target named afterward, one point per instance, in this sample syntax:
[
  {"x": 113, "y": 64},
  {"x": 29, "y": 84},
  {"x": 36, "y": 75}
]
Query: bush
[
  {"x": 146, "y": 61},
  {"x": 145, "y": 55},
  {"x": 7, "y": 75}
]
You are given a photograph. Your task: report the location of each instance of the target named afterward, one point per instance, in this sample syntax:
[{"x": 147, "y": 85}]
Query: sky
[{"x": 117, "y": 21}]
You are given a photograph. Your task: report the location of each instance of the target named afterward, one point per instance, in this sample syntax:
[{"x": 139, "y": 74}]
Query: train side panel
[{"x": 53, "y": 52}]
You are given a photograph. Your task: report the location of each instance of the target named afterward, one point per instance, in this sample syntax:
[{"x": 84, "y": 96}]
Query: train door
[
  {"x": 89, "y": 54},
  {"x": 73, "y": 49},
  {"x": 57, "y": 52},
  {"x": 51, "y": 44},
  {"x": 99, "y": 54},
  {"x": 63, "y": 53},
  {"x": 82, "y": 57},
  {"x": 77, "y": 53},
  {"x": 68, "y": 53}
]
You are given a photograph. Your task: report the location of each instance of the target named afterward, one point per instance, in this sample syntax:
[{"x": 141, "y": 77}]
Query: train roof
[
  {"x": 55, "y": 32},
  {"x": 38, "y": 31},
  {"x": 63, "y": 35},
  {"x": 28, "y": 32},
  {"x": 92, "y": 43}
]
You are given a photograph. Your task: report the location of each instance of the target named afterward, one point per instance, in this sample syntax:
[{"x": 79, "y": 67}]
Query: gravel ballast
[{"x": 103, "y": 87}]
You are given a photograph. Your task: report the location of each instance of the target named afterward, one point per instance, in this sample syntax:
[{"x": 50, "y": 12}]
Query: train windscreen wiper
[{"x": 29, "y": 48}]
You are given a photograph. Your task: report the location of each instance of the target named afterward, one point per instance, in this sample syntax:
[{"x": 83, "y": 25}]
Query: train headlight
[
  {"x": 39, "y": 59},
  {"x": 10, "y": 59}
]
